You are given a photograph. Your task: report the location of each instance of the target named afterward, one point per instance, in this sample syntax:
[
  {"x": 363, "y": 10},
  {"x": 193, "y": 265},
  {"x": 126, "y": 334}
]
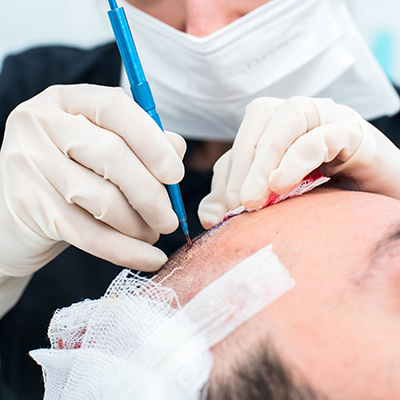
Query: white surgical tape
[
  {"x": 238, "y": 295},
  {"x": 136, "y": 342}
]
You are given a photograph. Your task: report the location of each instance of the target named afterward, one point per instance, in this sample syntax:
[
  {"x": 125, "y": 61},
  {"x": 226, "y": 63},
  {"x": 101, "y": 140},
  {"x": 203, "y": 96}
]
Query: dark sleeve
[
  {"x": 26, "y": 74},
  {"x": 73, "y": 275},
  {"x": 390, "y": 126}
]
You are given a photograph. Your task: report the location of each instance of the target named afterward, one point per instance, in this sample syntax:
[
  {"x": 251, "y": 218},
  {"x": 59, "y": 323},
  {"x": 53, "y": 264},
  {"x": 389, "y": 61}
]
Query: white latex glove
[
  {"x": 281, "y": 141},
  {"x": 84, "y": 165}
]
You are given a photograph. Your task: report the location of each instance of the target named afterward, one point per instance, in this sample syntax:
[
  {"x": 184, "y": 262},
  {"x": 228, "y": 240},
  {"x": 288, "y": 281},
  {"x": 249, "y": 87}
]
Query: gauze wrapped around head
[{"x": 136, "y": 342}]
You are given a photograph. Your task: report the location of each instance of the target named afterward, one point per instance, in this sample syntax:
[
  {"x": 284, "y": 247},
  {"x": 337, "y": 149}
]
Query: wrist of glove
[{"x": 22, "y": 251}]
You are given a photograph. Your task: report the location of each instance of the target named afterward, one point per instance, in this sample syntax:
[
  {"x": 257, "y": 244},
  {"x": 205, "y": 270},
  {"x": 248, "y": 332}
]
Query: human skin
[
  {"x": 337, "y": 329},
  {"x": 197, "y": 17}
]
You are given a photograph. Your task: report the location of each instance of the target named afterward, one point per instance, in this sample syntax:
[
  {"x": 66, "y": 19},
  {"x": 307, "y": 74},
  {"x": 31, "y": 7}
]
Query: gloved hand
[
  {"x": 281, "y": 141},
  {"x": 84, "y": 165}
]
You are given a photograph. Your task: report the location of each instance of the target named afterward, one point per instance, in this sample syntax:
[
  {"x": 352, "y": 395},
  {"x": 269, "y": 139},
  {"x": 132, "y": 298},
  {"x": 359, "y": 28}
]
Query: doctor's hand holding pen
[
  {"x": 281, "y": 141},
  {"x": 85, "y": 165}
]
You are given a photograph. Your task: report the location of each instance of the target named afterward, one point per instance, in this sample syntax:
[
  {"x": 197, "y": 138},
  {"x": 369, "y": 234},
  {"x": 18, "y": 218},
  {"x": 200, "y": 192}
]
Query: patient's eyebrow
[
  {"x": 388, "y": 246},
  {"x": 392, "y": 237}
]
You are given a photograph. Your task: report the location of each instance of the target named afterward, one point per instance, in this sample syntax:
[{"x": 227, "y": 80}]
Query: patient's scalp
[{"x": 212, "y": 254}]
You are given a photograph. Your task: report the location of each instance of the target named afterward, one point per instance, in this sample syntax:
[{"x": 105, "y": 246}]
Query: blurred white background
[
  {"x": 25, "y": 23},
  {"x": 379, "y": 22}
]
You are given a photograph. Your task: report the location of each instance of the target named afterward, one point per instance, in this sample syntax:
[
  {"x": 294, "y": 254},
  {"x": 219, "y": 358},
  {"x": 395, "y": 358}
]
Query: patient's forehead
[{"x": 322, "y": 228}]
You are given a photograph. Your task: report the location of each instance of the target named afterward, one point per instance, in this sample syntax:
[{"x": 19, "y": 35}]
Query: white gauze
[
  {"x": 136, "y": 342},
  {"x": 310, "y": 182}
]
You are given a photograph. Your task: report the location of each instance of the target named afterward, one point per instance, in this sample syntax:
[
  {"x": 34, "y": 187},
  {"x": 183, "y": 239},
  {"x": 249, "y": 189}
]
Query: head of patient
[{"x": 335, "y": 335}]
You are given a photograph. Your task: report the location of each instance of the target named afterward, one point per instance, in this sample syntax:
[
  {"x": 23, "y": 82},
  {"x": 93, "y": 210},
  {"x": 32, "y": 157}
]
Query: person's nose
[{"x": 204, "y": 17}]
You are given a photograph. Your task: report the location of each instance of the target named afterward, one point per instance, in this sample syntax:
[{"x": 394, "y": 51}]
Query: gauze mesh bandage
[
  {"x": 137, "y": 342},
  {"x": 310, "y": 182}
]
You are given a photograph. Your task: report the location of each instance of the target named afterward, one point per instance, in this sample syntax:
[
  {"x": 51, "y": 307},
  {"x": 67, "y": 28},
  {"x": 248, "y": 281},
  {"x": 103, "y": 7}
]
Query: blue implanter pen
[{"x": 141, "y": 92}]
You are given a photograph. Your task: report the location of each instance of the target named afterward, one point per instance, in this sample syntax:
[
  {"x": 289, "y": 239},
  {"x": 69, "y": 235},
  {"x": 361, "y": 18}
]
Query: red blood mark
[
  {"x": 275, "y": 198},
  {"x": 271, "y": 200},
  {"x": 227, "y": 217},
  {"x": 188, "y": 246},
  {"x": 189, "y": 242},
  {"x": 61, "y": 345}
]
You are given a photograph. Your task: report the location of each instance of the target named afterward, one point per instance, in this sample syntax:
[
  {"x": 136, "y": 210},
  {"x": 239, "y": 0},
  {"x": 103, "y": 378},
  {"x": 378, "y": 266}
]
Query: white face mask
[{"x": 283, "y": 48}]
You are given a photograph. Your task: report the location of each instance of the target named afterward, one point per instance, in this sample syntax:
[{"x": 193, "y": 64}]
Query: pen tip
[{"x": 189, "y": 241}]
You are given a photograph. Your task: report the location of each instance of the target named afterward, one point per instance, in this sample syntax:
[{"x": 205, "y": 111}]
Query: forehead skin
[{"x": 339, "y": 326}]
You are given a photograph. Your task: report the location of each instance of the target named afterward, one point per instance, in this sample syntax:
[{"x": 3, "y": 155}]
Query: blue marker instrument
[{"x": 141, "y": 92}]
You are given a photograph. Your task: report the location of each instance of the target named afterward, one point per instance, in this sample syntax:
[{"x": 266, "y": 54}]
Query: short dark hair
[{"x": 260, "y": 376}]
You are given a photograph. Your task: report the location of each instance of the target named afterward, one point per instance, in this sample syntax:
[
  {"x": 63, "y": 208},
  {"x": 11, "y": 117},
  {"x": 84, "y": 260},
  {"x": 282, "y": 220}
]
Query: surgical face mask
[{"x": 283, "y": 48}]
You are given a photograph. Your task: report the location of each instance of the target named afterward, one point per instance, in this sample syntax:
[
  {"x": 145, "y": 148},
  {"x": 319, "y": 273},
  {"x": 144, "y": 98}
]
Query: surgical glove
[
  {"x": 85, "y": 165},
  {"x": 281, "y": 141}
]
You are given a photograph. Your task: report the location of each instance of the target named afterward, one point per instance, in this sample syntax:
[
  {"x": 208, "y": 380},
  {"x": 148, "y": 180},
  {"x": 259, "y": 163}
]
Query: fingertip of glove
[
  {"x": 208, "y": 224},
  {"x": 280, "y": 184},
  {"x": 160, "y": 259},
  {"x": 169, "y": 225},
  {"x": 255, "y": 190},
  {"x": 210, "y": 214},
  {"x": 171, "y": 171},
  {"x": 154, "y": 261},
  {"x": 253, "y": 204},
  {"x": 178, "y": 142},
  {"x": 253, "y": 199}
]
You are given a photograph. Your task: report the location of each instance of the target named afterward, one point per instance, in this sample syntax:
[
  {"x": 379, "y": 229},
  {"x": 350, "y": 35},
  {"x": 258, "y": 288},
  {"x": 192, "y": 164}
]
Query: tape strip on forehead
[
  {"x": 214, "y": 313},
  {"x": 238, "y": 295},
  {"x": 120, "y": 345}
]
